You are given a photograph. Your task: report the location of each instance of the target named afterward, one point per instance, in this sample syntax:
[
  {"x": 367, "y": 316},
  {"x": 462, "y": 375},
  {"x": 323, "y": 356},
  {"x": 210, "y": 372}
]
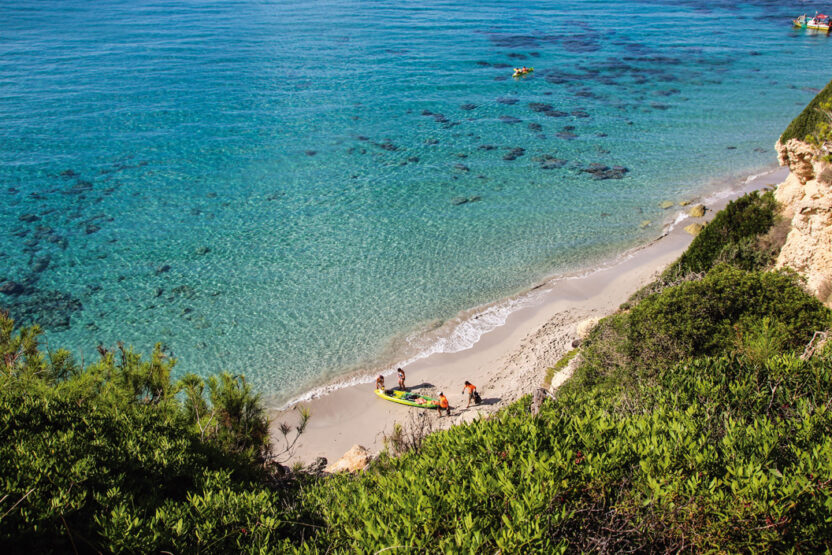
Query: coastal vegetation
[
  {"x": 692, "y": 422},
  {"x": 813, "y": 117},
  {"x": 116, "y": 456}
]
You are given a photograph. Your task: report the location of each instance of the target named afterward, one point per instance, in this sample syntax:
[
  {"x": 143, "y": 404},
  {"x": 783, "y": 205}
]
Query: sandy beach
[{"x": 507, "y": 362}]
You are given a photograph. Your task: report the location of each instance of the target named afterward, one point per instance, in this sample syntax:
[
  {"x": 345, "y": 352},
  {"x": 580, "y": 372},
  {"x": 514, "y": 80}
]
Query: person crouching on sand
[
  {"x": 400, "y": 372},
  {"x": 380, "y": 382},
  {"x": 471, "y": 389},
  {"x": 443, "y": 404}
]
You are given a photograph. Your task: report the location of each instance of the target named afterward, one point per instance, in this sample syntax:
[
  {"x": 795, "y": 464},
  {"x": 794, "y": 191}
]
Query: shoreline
[{"x": 509, "y": 358}]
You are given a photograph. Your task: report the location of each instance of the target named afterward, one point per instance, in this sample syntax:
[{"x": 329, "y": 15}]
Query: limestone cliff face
[{"x": 806, "y": 196}]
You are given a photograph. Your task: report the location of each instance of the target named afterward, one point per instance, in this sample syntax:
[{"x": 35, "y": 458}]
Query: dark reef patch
[
  {"x": 601, "y": 172},
  {"x": 514, "y": 153},
  {"x": 51, "y": 310}
]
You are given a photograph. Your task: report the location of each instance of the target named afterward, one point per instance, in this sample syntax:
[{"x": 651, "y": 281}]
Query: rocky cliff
[{"x": 806, "y": 196}]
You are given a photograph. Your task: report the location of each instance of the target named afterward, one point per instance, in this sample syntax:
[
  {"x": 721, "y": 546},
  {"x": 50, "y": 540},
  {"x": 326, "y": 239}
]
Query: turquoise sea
[{"x": 297, "y": 190}]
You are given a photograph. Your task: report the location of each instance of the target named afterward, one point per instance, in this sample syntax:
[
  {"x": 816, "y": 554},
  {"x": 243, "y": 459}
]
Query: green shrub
[
  {"x": 731, "y": 237},
  {"x": 109, "y": 458},
  {"x": 806, "y": 123},
  {"x": 701, "y": 318},
  {"x": 720, "y": 455}
]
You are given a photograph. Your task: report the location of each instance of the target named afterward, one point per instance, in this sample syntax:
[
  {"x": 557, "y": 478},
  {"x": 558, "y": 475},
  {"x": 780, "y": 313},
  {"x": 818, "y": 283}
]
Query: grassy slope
[{"x": 807, "y": 121}]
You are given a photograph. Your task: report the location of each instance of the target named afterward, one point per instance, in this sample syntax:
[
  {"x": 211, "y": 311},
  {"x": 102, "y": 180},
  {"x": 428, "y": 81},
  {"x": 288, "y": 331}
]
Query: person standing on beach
[
  {"x": 443, "y": 404},
  {"x": 471, "y": 389},
  {"x": 400, "y": 372},
  {"x": 380, "y": 382}
]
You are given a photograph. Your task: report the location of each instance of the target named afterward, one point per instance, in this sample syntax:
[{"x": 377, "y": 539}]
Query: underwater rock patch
[
  {"x": 12, "y": 288},
  {"x": 535, "y": 127},
  {"x": 549, "y": 162},
  {"x": 28, "y": 218},
  {"x": 457, "y": 201},
  {"x": 51, "y": 310},
  {"x": 511, "y": 120},
  {"x": 582, "y": 42},
  {"x": 79, "y": 188},
  {"x": 514, "y": 41},
  {"x": 40, "y": 264},
  {"x": 462, "y": 167},
  {"x": 602, "y": 172},
  {"x": 540, "y": 107},
  {"x": 468, "y": 107},
  {"x": 514, "y": 153},
  {"x": 510, "y": 100},
  {"x": 184, "y": 291}
]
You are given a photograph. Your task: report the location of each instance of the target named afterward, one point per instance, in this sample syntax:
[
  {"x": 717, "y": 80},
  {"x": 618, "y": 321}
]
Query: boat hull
[{"x": 398, "y": 396}]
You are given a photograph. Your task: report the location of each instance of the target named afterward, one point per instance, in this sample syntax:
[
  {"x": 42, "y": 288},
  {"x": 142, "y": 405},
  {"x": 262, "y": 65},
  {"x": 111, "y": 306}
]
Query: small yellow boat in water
[{"x": 522, "y": 71}]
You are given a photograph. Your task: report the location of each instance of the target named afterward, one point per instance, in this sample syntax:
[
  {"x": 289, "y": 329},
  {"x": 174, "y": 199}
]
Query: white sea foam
[{"x": 679, "y": 218}]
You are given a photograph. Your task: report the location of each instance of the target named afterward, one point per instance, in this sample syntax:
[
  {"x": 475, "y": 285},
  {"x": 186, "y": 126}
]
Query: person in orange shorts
[
  {"x": 471, "y": 389},
  {"x": 380, "y": 382},
  {"x": 443, "y": 404}
]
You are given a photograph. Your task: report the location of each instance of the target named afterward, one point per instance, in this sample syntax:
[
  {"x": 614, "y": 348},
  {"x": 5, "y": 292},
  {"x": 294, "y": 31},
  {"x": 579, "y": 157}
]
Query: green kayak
[{"x": 407, "y": 398}]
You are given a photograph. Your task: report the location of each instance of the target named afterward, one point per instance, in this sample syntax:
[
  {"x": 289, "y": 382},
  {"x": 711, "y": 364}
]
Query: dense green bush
[
  {"x": 806, "y": 123},
  {"x": 723, "y": 456},
  {"x": 731, "y": 237},
  {"x": 109, "y": 458},
  {"x": 717, "y": 314}
]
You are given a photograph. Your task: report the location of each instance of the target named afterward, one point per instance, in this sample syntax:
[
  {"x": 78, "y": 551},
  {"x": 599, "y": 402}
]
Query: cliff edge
[{"x": 806, "y": 196}]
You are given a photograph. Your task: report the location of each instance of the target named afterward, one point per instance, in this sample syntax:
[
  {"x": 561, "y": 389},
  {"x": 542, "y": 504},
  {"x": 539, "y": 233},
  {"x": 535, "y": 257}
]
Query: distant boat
[
  {"x": 522, "y": 71},
  {"x": 819, "y": 23},
  {"x": 800, "y": 21}
]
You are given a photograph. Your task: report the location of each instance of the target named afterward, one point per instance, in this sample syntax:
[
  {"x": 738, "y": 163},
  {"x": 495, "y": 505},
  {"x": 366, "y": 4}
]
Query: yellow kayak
[
  {"x": 407, "y": 398},
  {"x": 521, "y": 71}
]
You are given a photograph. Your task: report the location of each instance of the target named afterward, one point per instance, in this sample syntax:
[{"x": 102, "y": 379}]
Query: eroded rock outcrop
[
  {"x": 354, "y": 460},
  {"x": 806, "y": 196}
]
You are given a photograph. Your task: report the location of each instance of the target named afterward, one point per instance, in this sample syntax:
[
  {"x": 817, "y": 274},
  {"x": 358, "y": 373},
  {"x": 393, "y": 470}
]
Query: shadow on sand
[{"x": 417, "y": 386}]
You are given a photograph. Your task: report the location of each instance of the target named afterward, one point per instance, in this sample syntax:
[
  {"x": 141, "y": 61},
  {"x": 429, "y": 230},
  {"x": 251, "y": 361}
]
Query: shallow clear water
[{"x": 255, "y": 184}]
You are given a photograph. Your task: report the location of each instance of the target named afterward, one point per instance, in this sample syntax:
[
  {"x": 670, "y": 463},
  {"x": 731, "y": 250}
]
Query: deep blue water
[{"x": 276, "y": 188}]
